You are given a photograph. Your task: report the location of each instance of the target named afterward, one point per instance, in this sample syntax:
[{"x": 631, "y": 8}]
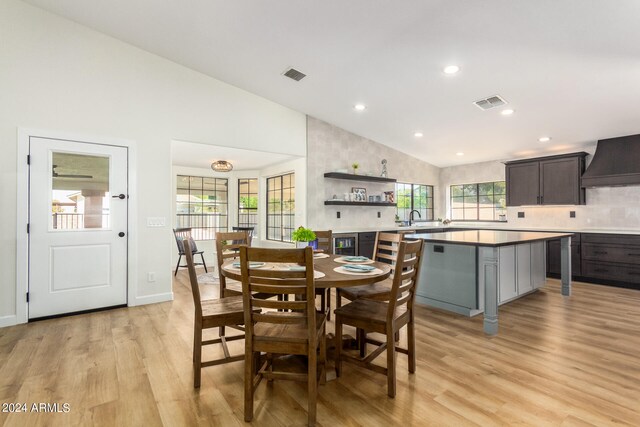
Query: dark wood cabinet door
[
  {"x": 523, "y": 180},
  {"x": 553, "y": 258},
  {"x": 366, "y": 244},
  {"x": 560, "y": 182}
]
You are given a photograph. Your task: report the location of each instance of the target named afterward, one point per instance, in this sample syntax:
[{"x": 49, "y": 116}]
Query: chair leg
[
  {"x": 178, "y": 264},
  {"x": 204, "y": 264},
  {"x": 328, "y": 303},
  {"x": 197, "y": 355},
  {"x": 338, "y": 299},
  {"x": 312, "y": 384},
  {"x": 323, "y": 355},
  {"x": 338, "y": 342},
  {"x": 249, "y": 361},
  {"x": 391, "y": 363},
  {"x": 411, "y": 346},
  {"x": 323, "y": 302},
  {"x": 363, "y": 342}
]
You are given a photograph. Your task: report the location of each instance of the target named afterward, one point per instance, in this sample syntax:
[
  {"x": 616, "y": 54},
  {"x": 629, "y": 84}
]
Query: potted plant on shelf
[
  {"x": 304, "y": 237},
  {"x": 355, "y": 167}
]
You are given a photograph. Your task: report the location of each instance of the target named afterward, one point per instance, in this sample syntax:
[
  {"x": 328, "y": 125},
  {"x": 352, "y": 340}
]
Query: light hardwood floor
[{"x": 556, "y": 361}]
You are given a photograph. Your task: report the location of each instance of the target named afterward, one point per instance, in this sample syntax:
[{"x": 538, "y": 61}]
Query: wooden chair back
[
  {"x": 404, "y": 281},
  {"x": 193, "y": 279},
  {"x": 325, "y": 241},
  {"x": 386, "y": 248},
  {"x": 260, "y": 284},
  {"x": 249, "y": 231},
  {"x": 228, "y": 246},
  {"x": 182, "y": 235}
]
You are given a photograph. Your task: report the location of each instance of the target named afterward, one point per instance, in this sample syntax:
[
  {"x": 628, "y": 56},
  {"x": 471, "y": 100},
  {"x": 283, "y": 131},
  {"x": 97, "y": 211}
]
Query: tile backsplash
[
  {"x": 607, "y": 207},
  {"x": 330, "y": 149}
]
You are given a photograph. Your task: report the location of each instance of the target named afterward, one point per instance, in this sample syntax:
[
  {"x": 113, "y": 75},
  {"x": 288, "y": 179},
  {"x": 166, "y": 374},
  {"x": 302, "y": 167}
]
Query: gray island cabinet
[{"x": 473, "y": 272}]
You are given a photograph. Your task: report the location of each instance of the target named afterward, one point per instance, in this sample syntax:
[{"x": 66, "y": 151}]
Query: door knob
[
  {"x": 119, "y": 196},
  {"x": 121, "y": 234}
]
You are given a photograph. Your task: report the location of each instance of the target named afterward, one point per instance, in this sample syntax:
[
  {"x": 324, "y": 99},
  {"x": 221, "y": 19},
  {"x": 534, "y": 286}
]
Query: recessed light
[
  {"x": 544, "y": 139},
  {"x": 418, "y": 134},
  {"x": 451, "y": 69},
  {"x": 507, "y": 112},
  {"x": 360, "y": 107},
  {"x": 460, "y": 153}
]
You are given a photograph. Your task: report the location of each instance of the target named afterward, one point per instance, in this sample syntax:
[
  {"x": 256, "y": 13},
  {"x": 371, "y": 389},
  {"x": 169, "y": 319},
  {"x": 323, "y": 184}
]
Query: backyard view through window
[
  {"x": 280, "y": 207},
  {"x": 414, "y": 196},
  {"x": 484, "y": 201},
  {"x": 201, "y": 204},
  {"x": 248, "y": 203}
]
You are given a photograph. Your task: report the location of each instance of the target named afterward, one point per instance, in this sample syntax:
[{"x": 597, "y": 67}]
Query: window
[
  {"x": 281, "y": 207},
  {"x": 201, "y": 204},
  {"x": 248, "y": 203},
  {"x": 485, "y": 201},
  {"x": 414, "y": 196}
]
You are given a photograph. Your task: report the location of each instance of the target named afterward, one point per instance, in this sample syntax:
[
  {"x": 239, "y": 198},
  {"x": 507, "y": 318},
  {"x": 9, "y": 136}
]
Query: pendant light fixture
[{"x": 222, "y": 166}]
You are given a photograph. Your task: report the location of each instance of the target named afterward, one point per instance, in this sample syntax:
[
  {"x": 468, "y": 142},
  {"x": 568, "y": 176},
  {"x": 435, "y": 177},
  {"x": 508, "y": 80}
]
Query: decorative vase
[{"x": 302, "y": 245}]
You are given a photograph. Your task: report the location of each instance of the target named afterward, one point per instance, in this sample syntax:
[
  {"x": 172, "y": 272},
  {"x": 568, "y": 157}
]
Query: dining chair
[
  {"x": 181, "y": 235},
  {"x": 287, "y": 327},
  {"x": 211, "y": 314},
  {"x": 386, "y": 250},
  {"x": 249, "y": 231},
  {"x": 228, "y": 248},
  {"x": 385, "y": 318},
  {"x": 325, "y": 244}
]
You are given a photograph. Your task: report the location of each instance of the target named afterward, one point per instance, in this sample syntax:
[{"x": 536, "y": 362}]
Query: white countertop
[{"x": 487, "y": 226}]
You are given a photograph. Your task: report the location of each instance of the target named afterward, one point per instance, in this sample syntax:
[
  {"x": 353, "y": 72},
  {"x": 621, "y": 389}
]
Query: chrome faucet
[{"x": 411, "y": 216}]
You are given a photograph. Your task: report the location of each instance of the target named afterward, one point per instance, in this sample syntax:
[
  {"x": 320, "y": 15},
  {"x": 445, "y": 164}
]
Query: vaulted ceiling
[{"x": 569, "y": 68}]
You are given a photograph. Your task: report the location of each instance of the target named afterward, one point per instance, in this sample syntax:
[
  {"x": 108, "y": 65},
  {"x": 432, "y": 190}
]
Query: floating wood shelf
[
  {"x": 343, "y": 203},
  {"x": 354, "y": 177}
]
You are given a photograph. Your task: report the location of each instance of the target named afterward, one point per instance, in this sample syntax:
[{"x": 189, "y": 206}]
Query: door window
[{"x": 80, "y": 196}]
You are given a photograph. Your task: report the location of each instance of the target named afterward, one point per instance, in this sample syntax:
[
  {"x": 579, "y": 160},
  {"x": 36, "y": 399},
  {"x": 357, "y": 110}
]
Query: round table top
[{"x": 332, "y": 279}]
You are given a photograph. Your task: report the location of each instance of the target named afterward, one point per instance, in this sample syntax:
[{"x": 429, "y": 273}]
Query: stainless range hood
[{"x": 616, "y": 162}]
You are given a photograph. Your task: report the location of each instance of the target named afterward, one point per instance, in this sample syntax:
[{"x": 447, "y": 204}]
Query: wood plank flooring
[{"x": 556, "y": 361}]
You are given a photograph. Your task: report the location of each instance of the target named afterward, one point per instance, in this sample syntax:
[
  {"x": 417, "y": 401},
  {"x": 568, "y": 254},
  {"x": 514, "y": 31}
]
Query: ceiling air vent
[
  {"x": 294, "y": 74},
  {"x": 490, "y": 102}
]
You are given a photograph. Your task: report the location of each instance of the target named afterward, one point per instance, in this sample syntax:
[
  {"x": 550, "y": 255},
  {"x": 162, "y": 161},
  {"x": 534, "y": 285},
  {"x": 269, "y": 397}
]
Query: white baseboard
[
  {"x": 155, "y": 298},
  {"x": 8, "y": 321}
]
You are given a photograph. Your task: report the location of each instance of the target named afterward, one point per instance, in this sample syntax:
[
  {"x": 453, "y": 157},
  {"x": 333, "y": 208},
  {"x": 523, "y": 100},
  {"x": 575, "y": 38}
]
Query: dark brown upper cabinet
[{"x": 553, "y": 180}]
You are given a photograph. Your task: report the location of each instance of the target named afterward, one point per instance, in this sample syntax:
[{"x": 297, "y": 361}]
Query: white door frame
[{"x": 22, "y": 207}]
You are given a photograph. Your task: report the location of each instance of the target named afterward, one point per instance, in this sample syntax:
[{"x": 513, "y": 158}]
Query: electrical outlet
[
  {"x": 151, "y": 276},
  {"x": 520, "y": 214},
  {"x": 338, "y": 214},
  {"x": 379, "y": 215},
  {"x": 572, "y": 214}
]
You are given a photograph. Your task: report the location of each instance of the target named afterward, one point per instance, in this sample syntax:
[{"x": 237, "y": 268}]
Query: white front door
[{"x": 77, "y": 226}]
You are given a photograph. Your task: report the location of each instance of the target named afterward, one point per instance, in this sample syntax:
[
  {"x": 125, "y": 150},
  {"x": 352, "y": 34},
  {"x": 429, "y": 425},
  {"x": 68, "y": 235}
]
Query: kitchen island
[{"x": 473, "y": 272}]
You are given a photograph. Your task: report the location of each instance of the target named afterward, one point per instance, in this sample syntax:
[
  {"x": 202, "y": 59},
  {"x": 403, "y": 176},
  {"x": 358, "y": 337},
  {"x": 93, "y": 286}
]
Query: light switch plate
[{"x": 156, "y": 221}]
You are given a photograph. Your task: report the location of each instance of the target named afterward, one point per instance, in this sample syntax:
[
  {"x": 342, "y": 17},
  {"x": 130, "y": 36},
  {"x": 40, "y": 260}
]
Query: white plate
[{"x": 251, "y": 265}]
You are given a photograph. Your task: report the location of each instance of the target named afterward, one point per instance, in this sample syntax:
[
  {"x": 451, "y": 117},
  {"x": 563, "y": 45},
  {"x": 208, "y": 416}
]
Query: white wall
[
  {"x": 331, "y": 148},
  {"x": 58, "y": 75},
  {"x": 607, "y": 207}
]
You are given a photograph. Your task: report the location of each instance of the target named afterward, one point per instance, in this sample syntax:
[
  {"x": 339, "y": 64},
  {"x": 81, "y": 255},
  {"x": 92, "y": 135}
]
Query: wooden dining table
[{"x": 332, "y": 278}]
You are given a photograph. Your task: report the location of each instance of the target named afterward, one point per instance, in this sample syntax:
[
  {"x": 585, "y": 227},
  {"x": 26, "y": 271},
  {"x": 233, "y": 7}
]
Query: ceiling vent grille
[
  {"x": 490, "y": 102},
  {"x": 294, "y": 74}
]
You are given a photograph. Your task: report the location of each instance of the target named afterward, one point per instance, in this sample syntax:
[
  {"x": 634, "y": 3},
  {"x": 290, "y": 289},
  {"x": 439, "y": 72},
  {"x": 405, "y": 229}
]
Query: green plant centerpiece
[
  {"x": 303, "y": 236},
  {"x": 355, "y": 167}
]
